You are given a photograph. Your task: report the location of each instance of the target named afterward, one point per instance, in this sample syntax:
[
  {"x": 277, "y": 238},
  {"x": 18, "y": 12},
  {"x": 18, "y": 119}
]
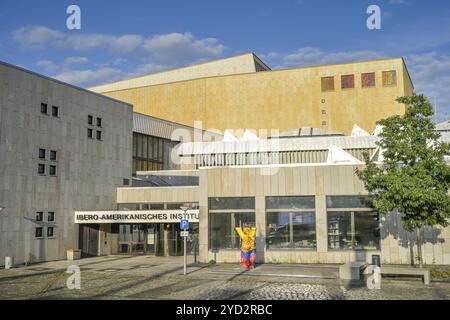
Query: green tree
[{"x": 414, "y": 178}]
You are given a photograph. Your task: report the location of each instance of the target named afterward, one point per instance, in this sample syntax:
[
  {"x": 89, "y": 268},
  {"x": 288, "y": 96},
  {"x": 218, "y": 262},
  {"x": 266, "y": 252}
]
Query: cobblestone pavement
[{"x": 148, "y": 277}]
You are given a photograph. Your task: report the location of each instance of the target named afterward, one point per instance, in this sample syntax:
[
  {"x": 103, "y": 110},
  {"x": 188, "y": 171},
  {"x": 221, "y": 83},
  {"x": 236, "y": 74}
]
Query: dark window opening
[
  {"x": 39, "y": 216},
  {"x": 55, "y": 111},
  {"x": 44, "y": 108},
  {"x": 53, "y": 155},
  {"x": 38, "y": 232},
  {"x": 42, "y": 154}
]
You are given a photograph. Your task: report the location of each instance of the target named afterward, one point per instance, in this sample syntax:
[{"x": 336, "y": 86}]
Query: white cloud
[
  {"x": 430, "y": 73},
  {"x": 171, "y": 48},
  {"x": 310, "y": 56},
  {"x": 36, "y": 36},
  {"x": 90, "y": 76}
]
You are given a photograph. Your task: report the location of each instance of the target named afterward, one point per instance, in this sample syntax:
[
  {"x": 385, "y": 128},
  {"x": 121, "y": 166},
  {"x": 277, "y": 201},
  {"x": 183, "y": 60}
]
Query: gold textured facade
[{"x": 281, "y": 99}]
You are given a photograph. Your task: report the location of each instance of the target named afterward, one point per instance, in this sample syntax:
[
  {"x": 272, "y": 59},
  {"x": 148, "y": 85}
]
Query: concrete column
[
  {"x": 321, "y": 224},
  {"x": 203, "y": 218},
  {"x": 260, "y": 219}
]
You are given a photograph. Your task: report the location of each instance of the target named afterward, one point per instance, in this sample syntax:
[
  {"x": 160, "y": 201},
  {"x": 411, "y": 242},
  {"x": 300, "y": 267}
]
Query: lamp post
[{"x": 184, "y": 208}]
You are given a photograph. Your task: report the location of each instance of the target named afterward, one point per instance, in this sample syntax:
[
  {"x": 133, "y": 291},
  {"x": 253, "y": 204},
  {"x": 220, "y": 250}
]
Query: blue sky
[{"x": 120, "y": 39}]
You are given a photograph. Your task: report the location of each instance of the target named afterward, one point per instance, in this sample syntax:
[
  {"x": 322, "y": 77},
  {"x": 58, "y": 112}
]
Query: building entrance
[{"x": 160, "y": 239}]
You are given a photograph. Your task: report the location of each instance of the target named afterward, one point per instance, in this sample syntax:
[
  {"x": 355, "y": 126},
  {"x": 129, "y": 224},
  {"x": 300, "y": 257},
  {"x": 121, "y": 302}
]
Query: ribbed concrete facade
[{"x": 79, "y": 172}]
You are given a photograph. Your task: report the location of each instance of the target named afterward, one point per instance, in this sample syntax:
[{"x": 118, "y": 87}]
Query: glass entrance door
[{"x": 133, "y": 238}]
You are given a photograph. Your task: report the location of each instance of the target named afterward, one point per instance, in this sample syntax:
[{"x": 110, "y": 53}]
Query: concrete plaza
[{"x": 150, "y": 277}]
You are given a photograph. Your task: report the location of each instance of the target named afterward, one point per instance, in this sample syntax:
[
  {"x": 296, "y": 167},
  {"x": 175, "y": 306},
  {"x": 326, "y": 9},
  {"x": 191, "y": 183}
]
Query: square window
[
  {"x": 53, "y": 155},
  {"x": 99, "y": 122},
  {"x": 323, "y": 101},
  {"x": 42, "y": 154},
  {"x": 324, "y": 123},
  {"x": 327, "y": 83},
  {"x": 55, "y": 111},
  {"x": 51, "y": 217},
  {"x": 90, "y": 133},
  {"x": 348, "y": 82},
  {"x": 324, "y": 111},
  {"x": 90, "y": 120},
  {"x": 99, "y": 135},
  {"x": 38, "y": 232},
  {"x": 389, "y": 78},
  {"x": 44, "y": 108},
  {"x": 50, "y": 232},
  {"x": 368, "y": 80},
  {"x": 41, "y": 168},
  {"x": 39, "y": 216},
  {"x": 53, "y": 170}
]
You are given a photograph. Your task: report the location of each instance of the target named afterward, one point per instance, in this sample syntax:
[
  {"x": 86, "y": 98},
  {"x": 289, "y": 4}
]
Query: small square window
[
  {"x": 39, "y": 216},
  {"x": 99, "y": 135},
  {"x": 323, "y": 101},
  {"x": 50, "y": 232},
  {"x": 42, "y": 154},
  {"x": 99, "y": 122},
  {"x": 53, "y": 170},
  {"x": 53, "y": 155},
  {"x": 324, "y": 111},
  {"x": 90, "y": 133},
  {"x": 44, "y": 108},
  {"x": 55, "y": 111},
  {"x": 389, "y": 78},
  {"x": 368, "y": 80},
  {"x": 328, "y": 84},
  {"x": 41, "y": 168},
  {"x": 348, "y": 82},
  {"x": 38, "y": 232},
  {"x": 90, "y": 120},
  {"x": 324, "y": 123},
  {"x": 51, "y": 217}
]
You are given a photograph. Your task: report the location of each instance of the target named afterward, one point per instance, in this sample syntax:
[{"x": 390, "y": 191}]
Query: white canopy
[
  {"x": 338, "y": 155},
  {"x": 359, "y": 132}
]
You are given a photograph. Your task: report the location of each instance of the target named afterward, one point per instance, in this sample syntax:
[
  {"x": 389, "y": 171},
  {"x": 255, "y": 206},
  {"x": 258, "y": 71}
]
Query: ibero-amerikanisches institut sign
[{"x": 142, "y": 216}]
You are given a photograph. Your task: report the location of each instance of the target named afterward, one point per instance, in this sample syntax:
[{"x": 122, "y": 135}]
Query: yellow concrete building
[{"x": 243, "y": 93}]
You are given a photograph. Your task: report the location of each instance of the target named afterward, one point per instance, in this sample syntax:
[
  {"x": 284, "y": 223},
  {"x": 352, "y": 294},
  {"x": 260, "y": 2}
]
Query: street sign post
[{"x": 184, "y": 225}]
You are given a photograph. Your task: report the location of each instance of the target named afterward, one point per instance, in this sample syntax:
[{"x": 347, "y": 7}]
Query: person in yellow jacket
[{"x": 248, "y": 246}]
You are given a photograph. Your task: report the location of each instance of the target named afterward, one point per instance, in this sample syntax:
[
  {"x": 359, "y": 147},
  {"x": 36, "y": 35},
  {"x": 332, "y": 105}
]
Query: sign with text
[{"x": 142, "y": 216}]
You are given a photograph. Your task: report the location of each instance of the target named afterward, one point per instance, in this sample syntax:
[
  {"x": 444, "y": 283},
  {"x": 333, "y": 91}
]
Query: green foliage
[{"x": 415, "y": 178}]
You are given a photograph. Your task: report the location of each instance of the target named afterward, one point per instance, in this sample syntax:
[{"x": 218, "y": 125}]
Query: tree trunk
[{"x": 419, "y": 247}]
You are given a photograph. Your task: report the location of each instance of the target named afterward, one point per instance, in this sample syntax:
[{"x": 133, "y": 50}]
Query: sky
[{"x": 121, "y": 39}]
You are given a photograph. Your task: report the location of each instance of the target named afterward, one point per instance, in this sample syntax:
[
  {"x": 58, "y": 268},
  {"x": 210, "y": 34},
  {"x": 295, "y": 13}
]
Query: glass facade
[
  {"x": 225, "y": 214},
  {"x": 352, "y": 225},
  {"x": 151, "y": 153},
  {"x": 291, "y": 222}
]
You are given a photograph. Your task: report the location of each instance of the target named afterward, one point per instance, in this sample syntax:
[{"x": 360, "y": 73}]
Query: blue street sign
[{"x": 184, "y": 224}]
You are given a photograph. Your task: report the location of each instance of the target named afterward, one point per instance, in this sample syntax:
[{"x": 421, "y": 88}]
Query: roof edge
[{"x": 62, "y": 83}]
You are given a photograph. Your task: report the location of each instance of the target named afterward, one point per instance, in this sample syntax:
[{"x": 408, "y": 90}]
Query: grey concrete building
[{"x": 62, "y": 149}]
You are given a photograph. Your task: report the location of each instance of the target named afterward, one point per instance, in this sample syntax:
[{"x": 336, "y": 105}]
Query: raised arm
[{"x": 239, "y": 231}]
